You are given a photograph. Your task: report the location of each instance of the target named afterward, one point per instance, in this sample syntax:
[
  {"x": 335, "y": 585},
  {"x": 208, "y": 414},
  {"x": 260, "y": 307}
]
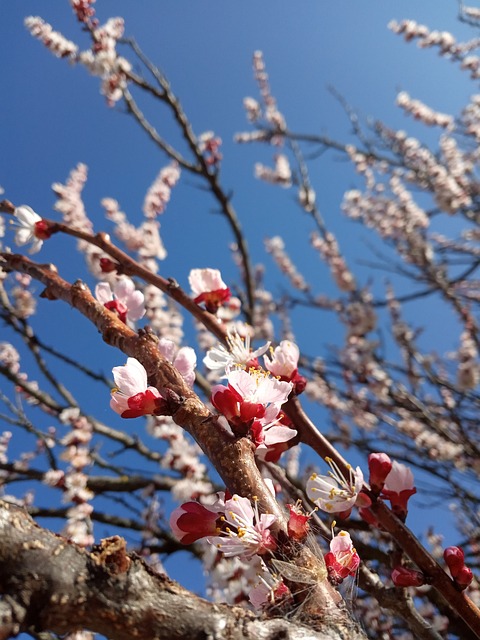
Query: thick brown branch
[{"x": 48, "y": 584}]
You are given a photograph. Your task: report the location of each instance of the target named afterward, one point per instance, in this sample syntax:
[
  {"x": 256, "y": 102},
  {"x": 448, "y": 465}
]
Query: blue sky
[{"x": 53, "y": 117}]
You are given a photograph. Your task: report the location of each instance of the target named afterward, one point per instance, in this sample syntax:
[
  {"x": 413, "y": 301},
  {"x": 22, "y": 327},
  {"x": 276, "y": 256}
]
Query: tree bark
[{"x": 50, "y": 584}]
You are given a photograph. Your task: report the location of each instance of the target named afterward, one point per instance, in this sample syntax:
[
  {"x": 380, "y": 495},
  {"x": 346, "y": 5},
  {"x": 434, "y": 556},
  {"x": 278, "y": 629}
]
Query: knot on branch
[{"x": 111, "y": 554}]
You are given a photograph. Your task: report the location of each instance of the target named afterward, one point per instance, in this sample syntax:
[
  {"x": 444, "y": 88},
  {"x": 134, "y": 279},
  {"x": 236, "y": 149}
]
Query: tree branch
[{"x": 49, "y": 584}]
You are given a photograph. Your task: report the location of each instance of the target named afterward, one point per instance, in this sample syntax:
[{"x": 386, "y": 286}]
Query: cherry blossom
[
  {"x": 31, "y": 228},
  {"x": 247, "y": 397},
  {"x": 335, "y": 493},
  {"x": 271, "y": 438},
  {"x": 126, "y": 301},
  {"x": 342, "y": 560},
  {"x": 132, "y": 397},
  {"x": 238, "y": 354},
  {"x": 247, "y": 533},
  {"x": 399, "y": 487},
  {"x": 268, "y": 590},
  {"x": 192, "y": 521},
  {"x": 283, "y": 363},
  {"x": 208, "y": 287},
  {"x": 183, "y": 359}
]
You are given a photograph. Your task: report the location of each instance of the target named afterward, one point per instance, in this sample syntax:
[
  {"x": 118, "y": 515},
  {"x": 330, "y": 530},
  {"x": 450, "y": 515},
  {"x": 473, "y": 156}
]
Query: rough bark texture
[{"x": 49, "y": 584}]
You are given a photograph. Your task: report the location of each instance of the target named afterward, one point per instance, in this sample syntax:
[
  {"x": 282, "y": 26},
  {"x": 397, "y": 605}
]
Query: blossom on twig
[
  {"x": 335, "y": 493},
  {"x": 183, "y": 359},
  {"x": 208, "y": 287},
  {"x": 126, "y": 301},
  {"x": 132, "y": 397},
  {"x": 31, "y": 228},
  {"x": 342, "y": 559}
]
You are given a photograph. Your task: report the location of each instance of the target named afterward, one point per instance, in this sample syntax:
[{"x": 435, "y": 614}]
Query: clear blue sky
[{"x": 53, "y": 117}]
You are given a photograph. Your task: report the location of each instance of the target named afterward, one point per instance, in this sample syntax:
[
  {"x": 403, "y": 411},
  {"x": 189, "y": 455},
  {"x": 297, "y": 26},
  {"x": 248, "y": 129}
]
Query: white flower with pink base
[
  {"x": 208, "y": 287},
  {"x": 132, "y": 396},
  {"x": 335, "y": 493},
  {"x": 126, "y": 301},
  {"x": 183, "y": 359},
  {"x": 247, "y": 532}
]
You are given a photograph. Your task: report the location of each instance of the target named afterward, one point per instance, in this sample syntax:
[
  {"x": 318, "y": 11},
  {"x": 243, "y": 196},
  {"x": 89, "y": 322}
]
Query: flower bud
[
  {"x": 454, "y": 559},
  {"x": 403, "y": 577},
  {"x": 464, "y": 577},
  {"x": 380, "y": 466}
]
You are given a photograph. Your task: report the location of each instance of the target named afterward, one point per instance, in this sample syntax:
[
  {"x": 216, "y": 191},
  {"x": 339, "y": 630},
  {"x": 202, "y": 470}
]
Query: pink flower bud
[
  {"x": 464, "y": 577},
  {"x": 403, "y": 577},
  {"x": 380, "y": 466},
  {"x": 454, "y": 559}
]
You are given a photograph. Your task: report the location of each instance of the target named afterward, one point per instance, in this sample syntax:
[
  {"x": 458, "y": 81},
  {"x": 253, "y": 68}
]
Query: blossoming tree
[{"x": 213, "y": 468}]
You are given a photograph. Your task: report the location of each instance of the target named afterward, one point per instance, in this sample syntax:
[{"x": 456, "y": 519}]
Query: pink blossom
[
  {"x": 208, "y": 287},
  {"x": 238, "y": 354},
  {"x": 183, "y": 359},
  {"x": 270, "y": 438},
  {"x": 399, "y": 487},
  {"x": 247, "y": 532},
  {"x": 342, "y": 560},
  {"x": 247, "y": 397},
  {"x": 124, "y": 300},
  {"x": 132, "y": 397},
  {"x": 31, "y": 228},
  {"x": 192, "y": 521},
  {"x": 335, "y": 493},
  {"x": 283, "y": 363}
]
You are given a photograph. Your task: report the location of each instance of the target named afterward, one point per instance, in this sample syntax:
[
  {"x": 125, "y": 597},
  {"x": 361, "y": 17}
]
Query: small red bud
[
  {"x": 107, "y": 265},
  {"x": 454, "y": 559},
  {"x": 403, "y": 577},
  {"x": 464, "y": 577},
  {"x": 380, "y": 466},
  {"x": 43, "y": 230}
]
